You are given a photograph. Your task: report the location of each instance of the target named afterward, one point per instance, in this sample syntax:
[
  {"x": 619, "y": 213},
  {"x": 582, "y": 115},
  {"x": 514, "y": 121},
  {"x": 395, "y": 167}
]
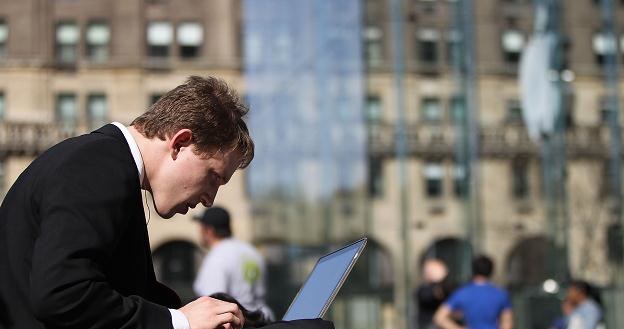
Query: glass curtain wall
[{"x": 304, "y": 77}]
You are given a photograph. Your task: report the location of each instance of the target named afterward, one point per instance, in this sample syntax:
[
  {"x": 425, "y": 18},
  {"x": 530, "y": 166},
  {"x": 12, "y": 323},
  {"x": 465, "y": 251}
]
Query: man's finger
[
  {"x": 225, "y": 307},
  {"x": 229, "y": 318}
]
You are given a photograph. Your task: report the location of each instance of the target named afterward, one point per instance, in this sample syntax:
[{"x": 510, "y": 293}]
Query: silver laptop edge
[{"x": 342, "y": 279}]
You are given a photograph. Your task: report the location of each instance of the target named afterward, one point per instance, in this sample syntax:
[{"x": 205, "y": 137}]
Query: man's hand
[
  {"x": 443, "y": 318},
  {"x": 210, "y": 313}
]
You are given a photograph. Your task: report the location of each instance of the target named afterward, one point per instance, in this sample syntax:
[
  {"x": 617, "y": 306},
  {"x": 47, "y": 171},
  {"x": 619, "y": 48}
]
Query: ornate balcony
[
  {"x": 494, "y": 141},
  {"x": 20, "y": 138}
]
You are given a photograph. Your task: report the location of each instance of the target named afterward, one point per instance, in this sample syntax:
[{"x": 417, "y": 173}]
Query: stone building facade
[{"x": 68, "y": 66}]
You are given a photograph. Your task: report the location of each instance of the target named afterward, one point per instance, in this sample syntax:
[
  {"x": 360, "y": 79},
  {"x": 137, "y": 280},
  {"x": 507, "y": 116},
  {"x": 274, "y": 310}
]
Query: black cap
[{"x": 216, "y": 217}]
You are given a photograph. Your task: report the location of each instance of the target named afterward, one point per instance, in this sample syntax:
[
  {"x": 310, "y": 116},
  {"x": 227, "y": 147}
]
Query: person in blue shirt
[{"x": 483, "y": 305}]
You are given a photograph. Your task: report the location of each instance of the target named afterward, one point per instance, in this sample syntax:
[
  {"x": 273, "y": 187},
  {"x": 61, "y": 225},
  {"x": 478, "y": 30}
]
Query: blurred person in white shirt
[{"x": 231, "y": 266}]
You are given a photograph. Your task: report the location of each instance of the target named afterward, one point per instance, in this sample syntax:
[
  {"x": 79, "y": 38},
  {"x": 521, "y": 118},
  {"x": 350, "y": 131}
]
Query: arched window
[
  {"x": 176, "y": 263},
  {"x": 529, "y": 264},
  {"x": 456, "y": 254}
]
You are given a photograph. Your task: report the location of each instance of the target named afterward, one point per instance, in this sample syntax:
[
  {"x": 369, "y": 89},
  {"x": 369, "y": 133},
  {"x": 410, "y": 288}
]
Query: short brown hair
[{"x": 210, "y": 109}]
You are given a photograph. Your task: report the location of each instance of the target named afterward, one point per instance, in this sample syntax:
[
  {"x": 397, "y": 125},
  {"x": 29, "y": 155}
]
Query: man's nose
[
  {"x": 208, "y": 199},
  {"x": 206, "y": 202}
]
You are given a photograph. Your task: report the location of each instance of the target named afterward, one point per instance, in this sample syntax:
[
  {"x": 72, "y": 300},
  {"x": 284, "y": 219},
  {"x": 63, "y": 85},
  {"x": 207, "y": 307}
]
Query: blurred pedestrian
[
  {"x": 231, "y": 266},
  {"x": 483, "y": 305},
  {"x": 587, "y": 312},
  {"x": 431, "y": 292}
]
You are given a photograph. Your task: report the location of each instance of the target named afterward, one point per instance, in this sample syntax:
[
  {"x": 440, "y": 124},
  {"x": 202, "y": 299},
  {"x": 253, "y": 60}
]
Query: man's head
[
  {"x": 482, "y": 266},
  {"x": 215, "y": 225},
  {"x": 434, "y": 270},
  {"x": 209, "y": 109},
  {"x": 578, "y": 291},
  {"x": 196, "y": 140}
]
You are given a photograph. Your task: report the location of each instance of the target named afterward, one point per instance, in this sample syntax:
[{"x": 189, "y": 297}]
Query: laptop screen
[{"x": 324, "y": 281}]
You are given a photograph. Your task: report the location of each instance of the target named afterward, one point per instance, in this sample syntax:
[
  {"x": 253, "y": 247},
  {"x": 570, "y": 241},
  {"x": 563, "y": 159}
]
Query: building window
[
  {"x": 96, "y": 110},
  {"x": 2, "y": 106},
  {"x": 4, "y": 37},
  {"x": 159, "y": 39},
  {"x": 190, "y": 37},
  {"x": 514, "y": 112},
  {"x": 67, "y": 38},
  {"x": 433, "y": 180},
  {"x": 98, "y": 40},
  {"x": 512, "y": 43},
  {"x": 153, "y": 98},
  {"x": 431, "y": 110},
  {"x": 373, "y": 109},
  {"x": 427, "y": 44},
  {"x": 605, "y": 112},
  {"x": 520, "y": 178},
  {"x": 372, "y": 116},
  {"x": 452, "y": 46},
  {"x": 460, "y": 182},
  {"x": 373, "y": 50},
  {"x": 375, "y": 177},
  {"x": 66, "y": 111},
  {"x": 603, "y": 45},
  {"x": 458, "y": 109}
]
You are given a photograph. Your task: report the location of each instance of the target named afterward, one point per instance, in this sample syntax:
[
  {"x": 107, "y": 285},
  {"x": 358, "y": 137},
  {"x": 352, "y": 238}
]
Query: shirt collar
[{"x": 134, "y": 149}]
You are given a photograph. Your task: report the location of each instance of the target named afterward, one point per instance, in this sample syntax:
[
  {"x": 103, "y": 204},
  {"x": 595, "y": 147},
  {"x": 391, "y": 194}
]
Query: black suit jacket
[{"x": 74, "y": 250}]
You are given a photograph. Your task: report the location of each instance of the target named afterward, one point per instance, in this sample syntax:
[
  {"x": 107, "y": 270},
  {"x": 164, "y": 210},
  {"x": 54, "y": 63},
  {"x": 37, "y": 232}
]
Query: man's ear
[{"x": 183, "y": 138}]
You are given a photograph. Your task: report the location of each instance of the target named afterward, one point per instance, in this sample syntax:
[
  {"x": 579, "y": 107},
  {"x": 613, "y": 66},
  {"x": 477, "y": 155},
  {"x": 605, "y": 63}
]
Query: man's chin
[
  {"x": 165, "y": 215},
  {"x": 172, "y": 212}
]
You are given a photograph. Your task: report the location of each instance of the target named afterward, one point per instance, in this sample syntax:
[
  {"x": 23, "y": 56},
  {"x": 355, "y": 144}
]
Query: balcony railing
[
  {"x": 494, "y": 141},
  {"x": 20, "y": 138}
]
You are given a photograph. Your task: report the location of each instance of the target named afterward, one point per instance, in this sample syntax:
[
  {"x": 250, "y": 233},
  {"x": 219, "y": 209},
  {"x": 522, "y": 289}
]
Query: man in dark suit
[{"x": 74, "y": 249}]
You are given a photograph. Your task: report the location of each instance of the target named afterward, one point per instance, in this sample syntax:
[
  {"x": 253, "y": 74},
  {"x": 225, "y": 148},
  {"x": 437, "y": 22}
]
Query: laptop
[{"x": 323, "y": 283}]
